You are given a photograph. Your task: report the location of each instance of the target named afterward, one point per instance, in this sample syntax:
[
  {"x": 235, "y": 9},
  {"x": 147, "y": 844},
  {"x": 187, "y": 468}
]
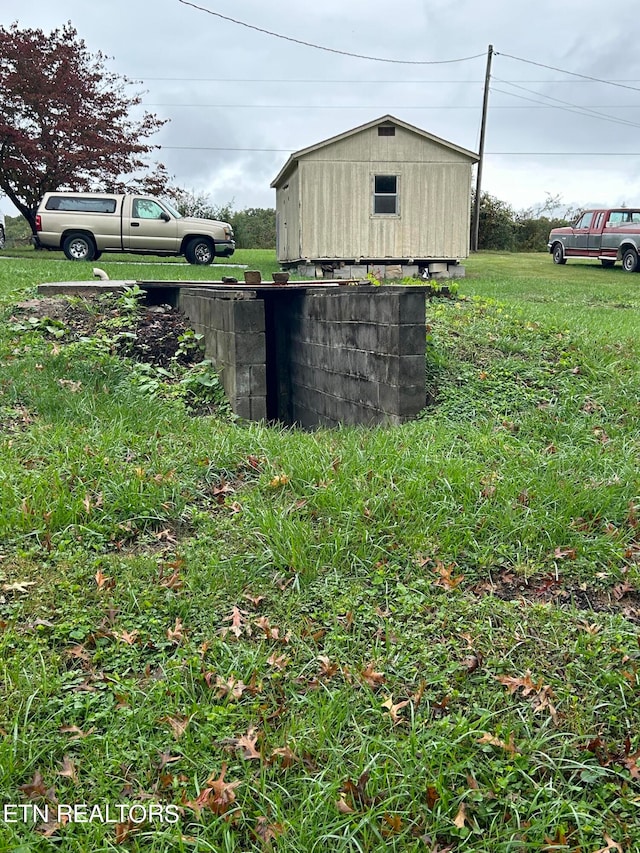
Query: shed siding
[
  {"x": 368, "y": 146},
  {"x": 337, "y": 218},
  {"x": 288, "y": 219}
]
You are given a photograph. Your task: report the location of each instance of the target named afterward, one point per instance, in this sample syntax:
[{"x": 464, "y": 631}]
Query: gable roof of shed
[{"x": 387, "y": 119}]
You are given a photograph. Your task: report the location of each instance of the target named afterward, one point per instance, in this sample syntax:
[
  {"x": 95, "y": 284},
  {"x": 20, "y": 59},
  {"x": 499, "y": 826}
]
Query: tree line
[
  {"x": 503, "y": 229},
  {"x": 253, "y": 227}
]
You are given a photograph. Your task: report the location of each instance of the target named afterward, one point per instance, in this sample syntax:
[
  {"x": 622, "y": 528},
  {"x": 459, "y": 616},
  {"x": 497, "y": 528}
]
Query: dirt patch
[
  {"x": 157, "y": 334},
  {"x": 623, "y": 598}
]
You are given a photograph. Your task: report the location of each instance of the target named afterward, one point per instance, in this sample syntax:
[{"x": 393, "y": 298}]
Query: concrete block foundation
[
  {"x": 381, "y": 270},
  {"x": 315, "y": 356}
]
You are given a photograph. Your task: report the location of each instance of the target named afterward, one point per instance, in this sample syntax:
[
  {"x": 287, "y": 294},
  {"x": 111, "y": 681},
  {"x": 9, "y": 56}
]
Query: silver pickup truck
[{"x": 84, "y": 225}]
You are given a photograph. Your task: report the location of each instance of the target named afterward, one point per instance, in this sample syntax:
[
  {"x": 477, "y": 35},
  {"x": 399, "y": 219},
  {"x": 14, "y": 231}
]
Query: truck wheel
[
  {"x": 607, "y": 263},
  {"x": 558, "y": 254},
  {"x": 630, "y": 260},
  {"x": 79, "y": 247},
  {"x": 200, "y": 251}
]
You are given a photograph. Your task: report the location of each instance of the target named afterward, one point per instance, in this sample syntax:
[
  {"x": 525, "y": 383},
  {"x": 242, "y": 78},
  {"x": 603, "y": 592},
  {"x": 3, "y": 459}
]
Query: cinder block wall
[
  {"x": 357, "y": 355},
  {"x": 352, "y": 355},
  {"x": 233, "y": 326}
]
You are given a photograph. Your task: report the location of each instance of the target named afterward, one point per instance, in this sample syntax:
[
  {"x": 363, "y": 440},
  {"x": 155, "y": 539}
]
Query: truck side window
[
  {"x": 585, "y": 220},
  {"x": 144, "y": 208}
]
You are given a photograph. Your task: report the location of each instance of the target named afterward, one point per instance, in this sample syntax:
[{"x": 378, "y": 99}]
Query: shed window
[
  {"x": 386, "y": 130},
  {"x": 385, "y": 194}
]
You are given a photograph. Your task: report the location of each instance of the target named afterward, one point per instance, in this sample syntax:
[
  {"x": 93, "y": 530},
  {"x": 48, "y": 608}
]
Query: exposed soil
[
  {"x": 157, "y": 328},
  {"x": 621, "y": 598}
]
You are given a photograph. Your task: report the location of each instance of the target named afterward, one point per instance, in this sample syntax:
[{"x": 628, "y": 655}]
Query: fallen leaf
[
  {"x": 178, "y": 725},
  {"x": 630, "y": 761},
  {"x": 122, "y": 831},
  {"x": 565, "y": 553},
  {"x": 611, "y": 845},
  {"x": 461, "y": 817},
  {"x": 217, "y": 795},
  {"x": 472, "y": 662},
  {"x": 279, "y": 481},
  {"x": 357, "y": 790},
  {"x": 515, "y": 683},
  {"x": 372, "y": 678},
  {"x": 174, "y": 635},
  {"x": 247, "y": 743},
  {"x": 167, "y": 758},
  {"x": 128, "y": 637},
  {"x": 267, "y": 832},
  {"x": 37, "y": 789},
  {"x": 432, "y": 796},
  {"x": 278, "y": 661},
  {"x": 271, "y": 632},
  {"x": 509, "y": 746},
  {"x": 78, "y": 652},
  {"x": 231, "y": 688},
  {"x": 343, "y": 807},
  {"x": 68, "y": 769},
  {"x": 287, "y": 756},
  {"x": 238, "y": 626},
  {"x": 17, "y": 586},
  {"x": 75, "y": 731},
  {"x": 49, "y": 828},
  {"x": 621, "y": 589},
  {"x": 173, "y": 581},
  {"x": 327, "y": 669},
  {"x": 416, "y": 697},
  {"x": 394, "y": 709},
  {"x": 601, "y": 435},
  {"x": 165, "y": 535},
  {"x": 74, "y": 387},
  {"x": 590, "y": 627},
  {"x": 540, "y": 694},
  {"x": 103, "y": 581},
  {"x": 394, "y": 822},
  {"x": 446, "y": 579}
]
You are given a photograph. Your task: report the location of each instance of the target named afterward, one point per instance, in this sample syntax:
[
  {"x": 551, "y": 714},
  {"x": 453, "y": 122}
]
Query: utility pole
[{"x": 475, "y": 228}]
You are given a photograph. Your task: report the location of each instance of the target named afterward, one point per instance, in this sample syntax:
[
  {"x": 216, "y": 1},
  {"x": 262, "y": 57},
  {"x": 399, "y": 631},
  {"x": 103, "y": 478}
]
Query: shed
[{"x": 384, "y": 194}]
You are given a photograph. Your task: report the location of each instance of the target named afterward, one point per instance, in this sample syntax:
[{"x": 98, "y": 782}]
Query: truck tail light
[{"x": 38, "y": 223}]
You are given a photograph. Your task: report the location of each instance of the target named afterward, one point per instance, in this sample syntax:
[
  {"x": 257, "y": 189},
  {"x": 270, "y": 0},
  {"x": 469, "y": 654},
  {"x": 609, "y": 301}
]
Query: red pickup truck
[{"x": 605, "y": 235}]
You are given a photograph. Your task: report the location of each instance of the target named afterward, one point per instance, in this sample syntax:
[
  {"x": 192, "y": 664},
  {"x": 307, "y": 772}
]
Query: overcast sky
[{"x": 240, "y": 101}]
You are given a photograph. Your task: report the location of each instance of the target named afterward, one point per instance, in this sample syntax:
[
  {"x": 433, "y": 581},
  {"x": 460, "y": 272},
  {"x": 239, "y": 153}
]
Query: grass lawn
[{"x": 239, "y": 637}]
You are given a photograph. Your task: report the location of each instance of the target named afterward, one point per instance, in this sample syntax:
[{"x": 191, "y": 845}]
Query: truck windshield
[{"x": 171, "y": 209}]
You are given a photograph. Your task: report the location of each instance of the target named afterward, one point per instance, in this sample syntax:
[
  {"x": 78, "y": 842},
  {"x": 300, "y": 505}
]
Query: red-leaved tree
[{"x": 66, "y": 121}]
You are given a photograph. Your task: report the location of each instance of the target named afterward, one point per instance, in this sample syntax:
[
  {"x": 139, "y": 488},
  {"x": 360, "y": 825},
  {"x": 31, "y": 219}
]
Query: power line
[
  {"x": 327, "y": 49},
  {"x": 565, "y": 71},
  {"x": 488, "y": 153},
  {"x": 322, "y": 106},
  {"x": 565, "y": 106},
  {"x": 539, "y": 105},
  {"x": 333, "y": 81}
]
